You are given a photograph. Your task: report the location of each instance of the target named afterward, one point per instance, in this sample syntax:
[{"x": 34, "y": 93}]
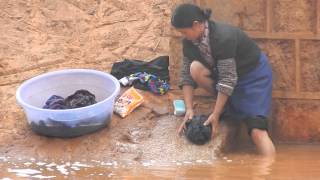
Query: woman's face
[{"x": 193, "y": 33}]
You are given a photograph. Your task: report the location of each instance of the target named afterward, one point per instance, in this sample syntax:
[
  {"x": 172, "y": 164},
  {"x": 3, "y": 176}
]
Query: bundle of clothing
[
  {"x": 152, "y": 76},
  {"x": 80, "y": 98},
  {"x": 196, "y": 132}
]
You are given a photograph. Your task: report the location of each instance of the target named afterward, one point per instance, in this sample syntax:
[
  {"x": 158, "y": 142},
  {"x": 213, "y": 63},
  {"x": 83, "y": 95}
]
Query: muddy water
[{"x": 292, "y": 162}]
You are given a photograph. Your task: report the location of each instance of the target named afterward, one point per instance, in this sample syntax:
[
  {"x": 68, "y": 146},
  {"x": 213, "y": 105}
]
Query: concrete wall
[{"x": 288, "y": 31}]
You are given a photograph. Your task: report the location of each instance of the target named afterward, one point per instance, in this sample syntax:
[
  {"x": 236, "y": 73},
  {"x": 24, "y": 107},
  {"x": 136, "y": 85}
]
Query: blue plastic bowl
[{"x": 33, "y": 94}]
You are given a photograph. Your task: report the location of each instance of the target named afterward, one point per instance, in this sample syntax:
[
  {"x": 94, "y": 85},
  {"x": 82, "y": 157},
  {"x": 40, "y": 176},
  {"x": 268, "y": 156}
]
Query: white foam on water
[
  {"x": 27, "y": 163},
  {"x": 78, "y": 164},
  {"x": 62, "y": 169},
  {"x": 110, "y": 175},
  {"x": 50, "y": 169},
  {"x": 43, "y": 177},
  {"x": 4, "y": 159},
  {"x": 40, "y": 163},
  {"x": 23, "y": 175},
  {"x": 115, "y": 163},
  {"x": 106, "y": 164},
  {"x": 75, "y": 168},
  {"x": 51, "y": 165},
  {"x": 148, "y": 163},
  {"x": 24, "y": 171}
]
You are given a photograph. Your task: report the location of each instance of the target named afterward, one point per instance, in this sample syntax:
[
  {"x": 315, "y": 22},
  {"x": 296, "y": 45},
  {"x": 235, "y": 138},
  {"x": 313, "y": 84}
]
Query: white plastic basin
[{"x": 33, "y": 94}]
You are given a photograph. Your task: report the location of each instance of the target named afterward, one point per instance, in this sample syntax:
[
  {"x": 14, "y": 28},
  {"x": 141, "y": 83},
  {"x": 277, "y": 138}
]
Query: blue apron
[{"x": 253, "y": 93}]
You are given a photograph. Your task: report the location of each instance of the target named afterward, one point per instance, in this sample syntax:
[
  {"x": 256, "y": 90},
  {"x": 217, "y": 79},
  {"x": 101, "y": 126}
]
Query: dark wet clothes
[
  {"x": 158, "y": 67},
  {"x": 196, "y": 132},
  {"x": 55, "y": 102},
  {"x": 81, "y": 98}
]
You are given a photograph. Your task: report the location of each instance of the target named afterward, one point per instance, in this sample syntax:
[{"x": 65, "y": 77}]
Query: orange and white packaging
[{"x": 128, "y": 101}]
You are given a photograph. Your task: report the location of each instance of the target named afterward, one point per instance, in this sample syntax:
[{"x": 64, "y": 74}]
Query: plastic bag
[{"x": 127, "y": 102}]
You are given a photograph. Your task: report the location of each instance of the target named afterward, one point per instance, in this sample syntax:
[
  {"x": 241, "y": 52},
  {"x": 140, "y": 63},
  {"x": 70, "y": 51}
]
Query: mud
[{"x": 149, "y": 133}]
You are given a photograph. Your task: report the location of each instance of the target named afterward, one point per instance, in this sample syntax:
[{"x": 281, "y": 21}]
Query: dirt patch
[{"x": 149, "y": 133}]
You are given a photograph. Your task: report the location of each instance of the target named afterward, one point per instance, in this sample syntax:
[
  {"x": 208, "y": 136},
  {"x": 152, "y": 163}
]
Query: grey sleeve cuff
[
  {"x": 185, "y": 76},
  {"x": 225, "y": 89},
  {"x": 228, "y": 77}
]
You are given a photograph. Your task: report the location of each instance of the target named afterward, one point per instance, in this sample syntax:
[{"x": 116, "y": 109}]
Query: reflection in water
[
  {"x": 292, "y": 162},
  {"x": 263, "y": 168}
]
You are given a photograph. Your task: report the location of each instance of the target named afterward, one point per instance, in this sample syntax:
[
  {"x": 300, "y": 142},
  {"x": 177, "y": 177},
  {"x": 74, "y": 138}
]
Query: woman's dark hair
[{"x": 185, "y": 14}]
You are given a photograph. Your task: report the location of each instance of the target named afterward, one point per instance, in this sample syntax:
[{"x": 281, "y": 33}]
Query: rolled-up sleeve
[
  {"x": 185, "y": 76},
  {"x": 227, "y": 76}
]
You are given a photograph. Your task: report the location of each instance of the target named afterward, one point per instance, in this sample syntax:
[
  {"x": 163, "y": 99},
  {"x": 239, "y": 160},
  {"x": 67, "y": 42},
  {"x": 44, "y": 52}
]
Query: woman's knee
[
  {"x": 258, "y": 134},
  {"x": 197, "y": 70}
]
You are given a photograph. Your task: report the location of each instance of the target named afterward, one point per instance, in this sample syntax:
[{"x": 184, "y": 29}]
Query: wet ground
[{"x": 292, "y": 162}]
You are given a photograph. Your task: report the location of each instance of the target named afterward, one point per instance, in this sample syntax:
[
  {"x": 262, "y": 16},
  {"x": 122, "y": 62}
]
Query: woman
[{"x": 220, "y": 57}]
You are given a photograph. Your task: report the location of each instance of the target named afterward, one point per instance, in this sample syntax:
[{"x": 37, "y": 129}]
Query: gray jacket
[{"x": 234, "y": 54}]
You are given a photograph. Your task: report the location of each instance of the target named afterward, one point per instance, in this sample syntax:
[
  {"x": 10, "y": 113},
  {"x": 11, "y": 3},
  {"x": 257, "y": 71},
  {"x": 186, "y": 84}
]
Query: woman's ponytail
[{"x": 207, "y": 13}]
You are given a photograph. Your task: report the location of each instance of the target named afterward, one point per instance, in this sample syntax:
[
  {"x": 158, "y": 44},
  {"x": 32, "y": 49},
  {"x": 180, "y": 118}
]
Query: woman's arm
[
  {"x": 227, "y": 81},
  {"x": 188, "y": 96},
  {"x": 187, "y": 85},
  {"x": 217, "y": 111}
]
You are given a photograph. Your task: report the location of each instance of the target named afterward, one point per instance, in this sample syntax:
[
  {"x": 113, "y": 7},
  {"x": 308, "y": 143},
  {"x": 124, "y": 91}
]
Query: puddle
[{"x": 292, "y": 162}]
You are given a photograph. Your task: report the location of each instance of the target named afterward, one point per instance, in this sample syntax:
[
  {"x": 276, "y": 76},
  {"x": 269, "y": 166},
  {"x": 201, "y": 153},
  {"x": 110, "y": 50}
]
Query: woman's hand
[
  {"x": 213, "y": 119},
  {"x": 188, "y": 116}
]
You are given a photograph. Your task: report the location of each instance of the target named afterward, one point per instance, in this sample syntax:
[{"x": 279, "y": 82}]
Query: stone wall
[{"x": 288, "y": 31}]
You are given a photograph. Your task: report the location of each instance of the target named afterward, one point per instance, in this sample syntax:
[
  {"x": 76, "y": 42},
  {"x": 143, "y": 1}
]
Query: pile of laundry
[
  {"x": 152, "y": 76},
  {"x": 80, "y": 98}
]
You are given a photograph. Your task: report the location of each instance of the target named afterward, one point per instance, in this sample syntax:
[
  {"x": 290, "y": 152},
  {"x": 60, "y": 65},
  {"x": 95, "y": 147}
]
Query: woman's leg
[
  {"x": 201, "y": 75},
  {"x": 263, "y": 142}
]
